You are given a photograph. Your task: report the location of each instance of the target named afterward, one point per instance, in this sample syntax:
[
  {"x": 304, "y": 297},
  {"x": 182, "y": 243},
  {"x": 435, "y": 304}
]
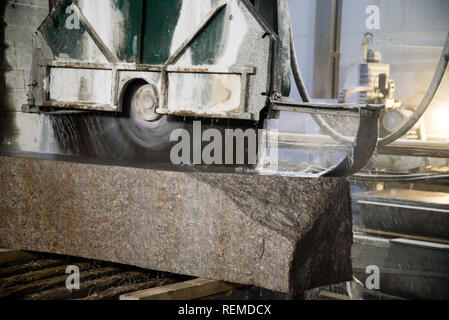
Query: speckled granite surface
[{"x": 283, "y": 234}]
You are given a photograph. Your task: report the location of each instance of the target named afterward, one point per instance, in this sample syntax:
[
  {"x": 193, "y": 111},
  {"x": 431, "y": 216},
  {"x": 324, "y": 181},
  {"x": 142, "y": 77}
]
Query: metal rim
[
  {"x": 140, "y": 122},
  {"x": 145, "y": 102}
]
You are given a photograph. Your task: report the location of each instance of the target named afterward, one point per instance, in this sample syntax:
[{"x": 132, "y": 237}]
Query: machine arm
[{"x": 365, "y": 142}]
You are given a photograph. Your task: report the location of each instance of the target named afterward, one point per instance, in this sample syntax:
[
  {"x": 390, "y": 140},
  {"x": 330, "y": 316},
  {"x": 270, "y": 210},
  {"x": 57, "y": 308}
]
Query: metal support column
[{"x": 327, "y": 49}]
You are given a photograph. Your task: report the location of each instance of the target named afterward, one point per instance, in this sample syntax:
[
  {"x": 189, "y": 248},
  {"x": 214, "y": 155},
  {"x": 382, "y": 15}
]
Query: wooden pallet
[
  {"x": 188, "y": 290},
  {"x": 33, "y": 276}
]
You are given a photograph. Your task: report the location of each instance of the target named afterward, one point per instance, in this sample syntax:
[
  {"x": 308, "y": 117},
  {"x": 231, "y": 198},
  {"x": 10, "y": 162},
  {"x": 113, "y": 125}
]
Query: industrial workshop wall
[{"x": 20, "y": 20}]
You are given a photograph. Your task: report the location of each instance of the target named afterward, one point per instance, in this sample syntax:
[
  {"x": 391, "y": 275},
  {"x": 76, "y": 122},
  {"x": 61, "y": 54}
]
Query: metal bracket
[
  {"x": 178, "y": 53},
  {"x": 365, "y": 142},
  {"x": 169, "y": 67},
  {"x": 364, "y": 145}
]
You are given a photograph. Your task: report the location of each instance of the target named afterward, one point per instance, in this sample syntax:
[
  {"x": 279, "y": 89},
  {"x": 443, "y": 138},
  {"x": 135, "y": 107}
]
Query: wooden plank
[
  {"x": 188, "y": 290},
  {"x": 27, "y": 267},
  {"x": 36, "y": 275},
  {"x": 115, "y": 292},
  {"x": 10, "y": 258},
  {"x": 47, "y": 284},
  {"x": 86, "y": 287},
  {"x": 326, "y": 295}
]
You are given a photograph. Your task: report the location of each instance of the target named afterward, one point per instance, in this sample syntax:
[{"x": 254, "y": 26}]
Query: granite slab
[{"x": 280, "y": 233}]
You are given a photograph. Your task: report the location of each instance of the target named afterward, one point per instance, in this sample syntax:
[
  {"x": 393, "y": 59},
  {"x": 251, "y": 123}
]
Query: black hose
[
  {"x": 305, "y": 95},
  {"x": 297, "y": 71}
]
